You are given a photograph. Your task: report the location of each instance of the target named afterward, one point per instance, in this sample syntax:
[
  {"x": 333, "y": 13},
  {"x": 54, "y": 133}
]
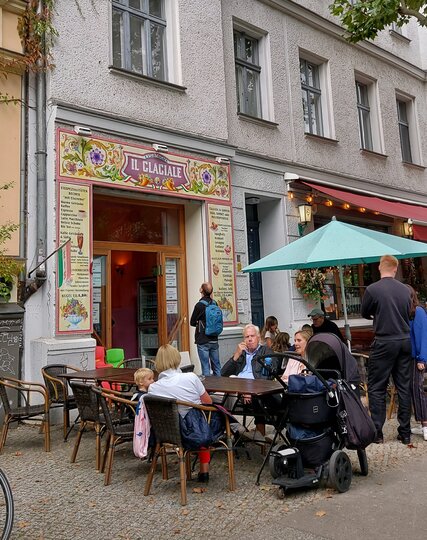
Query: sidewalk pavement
[{"x": 57, "y": 500}]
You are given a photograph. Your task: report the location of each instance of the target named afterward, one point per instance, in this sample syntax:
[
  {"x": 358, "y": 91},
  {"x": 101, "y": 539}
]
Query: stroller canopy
[{"x": 327, "y": 351}]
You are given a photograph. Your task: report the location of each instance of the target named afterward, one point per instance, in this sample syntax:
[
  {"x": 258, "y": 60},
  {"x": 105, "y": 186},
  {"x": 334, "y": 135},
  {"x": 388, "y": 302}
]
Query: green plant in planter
[
  {"x": 9, "y": 267},
  {"x": 311, "y": 283}
]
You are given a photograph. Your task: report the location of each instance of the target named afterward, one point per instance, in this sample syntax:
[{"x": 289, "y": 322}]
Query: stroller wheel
[
  {"x": 275, "y": 463},
  {"x": 340, "y": 471},
  {"x": 281, "y": 493},
  {"x": 363, "y": 461}
]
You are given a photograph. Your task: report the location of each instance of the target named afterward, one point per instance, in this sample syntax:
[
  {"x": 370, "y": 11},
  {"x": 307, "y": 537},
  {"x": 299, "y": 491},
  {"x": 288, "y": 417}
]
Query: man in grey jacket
[{"x": 388, "y": 302}]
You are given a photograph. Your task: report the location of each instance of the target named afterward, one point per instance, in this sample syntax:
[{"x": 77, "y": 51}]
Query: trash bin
[{"x": 11, "y": 344}]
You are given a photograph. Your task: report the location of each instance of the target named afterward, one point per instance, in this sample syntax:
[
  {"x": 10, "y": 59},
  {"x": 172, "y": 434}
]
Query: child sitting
[{"x": 143, "y": 378}]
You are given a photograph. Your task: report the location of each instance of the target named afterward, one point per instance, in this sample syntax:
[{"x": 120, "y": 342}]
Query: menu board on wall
[
  {"x": 222, "y": 259},
  {"x": 74, "y": 313}
]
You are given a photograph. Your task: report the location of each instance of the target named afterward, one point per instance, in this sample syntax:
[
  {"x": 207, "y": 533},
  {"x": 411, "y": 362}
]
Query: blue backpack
[{"x": 214, "y": 318}]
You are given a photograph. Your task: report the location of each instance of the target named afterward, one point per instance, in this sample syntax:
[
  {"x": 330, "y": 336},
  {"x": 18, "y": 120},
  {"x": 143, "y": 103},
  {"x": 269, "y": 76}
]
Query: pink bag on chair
[{"x": 141, "y": 430}]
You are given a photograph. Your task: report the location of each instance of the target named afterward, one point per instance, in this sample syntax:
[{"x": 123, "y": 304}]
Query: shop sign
[
  {"x": 105, "y": 161},
  {"x": 222, "y": 269},
  {"x": 74, "y": 309}
]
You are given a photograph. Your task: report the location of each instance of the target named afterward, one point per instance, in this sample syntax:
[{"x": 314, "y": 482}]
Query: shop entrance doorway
[{"x": 139, "y": 289}]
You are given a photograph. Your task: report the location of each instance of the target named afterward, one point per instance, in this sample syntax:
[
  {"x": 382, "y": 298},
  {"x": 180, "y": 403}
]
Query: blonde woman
[{"x": 294, "y": 367}]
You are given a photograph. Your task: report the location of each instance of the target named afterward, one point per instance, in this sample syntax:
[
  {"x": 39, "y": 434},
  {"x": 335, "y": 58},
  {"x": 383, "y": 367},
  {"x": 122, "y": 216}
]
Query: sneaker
[
  {"x": 425, "y": 433},
  {"x": 254, "y": 435},
  {"x": 417, "y": 430},
  {"x": 403, "y": 439}
]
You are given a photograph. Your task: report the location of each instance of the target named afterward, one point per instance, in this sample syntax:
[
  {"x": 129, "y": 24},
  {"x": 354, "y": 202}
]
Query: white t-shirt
[{"x": 174, "y": 384}]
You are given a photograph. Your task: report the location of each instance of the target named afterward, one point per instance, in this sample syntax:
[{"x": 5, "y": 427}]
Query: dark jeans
[{"x": 390, "y": 358}]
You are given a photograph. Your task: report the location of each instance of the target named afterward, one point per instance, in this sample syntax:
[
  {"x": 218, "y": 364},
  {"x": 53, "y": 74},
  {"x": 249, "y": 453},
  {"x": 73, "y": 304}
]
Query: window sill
[
  {"x": 321, "y": 138},
  {"x": 155, "y": 82},
  {"x": 256, "y": 120},
  {"x": 413, "y": 165},
  {"x": 372, "y": 153},
  {"x": 400, "y": 36}
]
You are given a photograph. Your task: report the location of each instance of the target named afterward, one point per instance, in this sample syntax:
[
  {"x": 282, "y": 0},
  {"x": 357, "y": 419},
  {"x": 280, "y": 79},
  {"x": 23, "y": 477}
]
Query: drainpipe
[{"x": 41, "y": 156}]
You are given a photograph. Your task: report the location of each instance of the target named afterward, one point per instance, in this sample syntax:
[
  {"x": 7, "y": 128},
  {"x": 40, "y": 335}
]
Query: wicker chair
[
  {"x": 89, "y": 412},
  {"x": 58, "y": 391},
  {"x": 24, "y": 411},
  {"x": 118, "y": 432},
  {"x": 164, "y": 419},
  {"x": 134, "y": 363}
]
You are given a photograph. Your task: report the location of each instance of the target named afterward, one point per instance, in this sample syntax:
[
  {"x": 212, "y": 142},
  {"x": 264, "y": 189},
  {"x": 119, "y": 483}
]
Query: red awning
[
  {"x": 420, "y": 233},
  {"x": 391, "y": 208}
]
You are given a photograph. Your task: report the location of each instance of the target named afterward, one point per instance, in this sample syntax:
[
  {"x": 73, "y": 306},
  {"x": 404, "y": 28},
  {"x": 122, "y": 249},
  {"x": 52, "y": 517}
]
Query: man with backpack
[{"x": 208, "y": 320}]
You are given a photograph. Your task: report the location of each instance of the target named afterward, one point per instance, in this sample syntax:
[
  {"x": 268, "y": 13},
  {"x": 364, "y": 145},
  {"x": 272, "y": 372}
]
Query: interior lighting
[
  {"x": 346, "y": 206},
  {"x": 363, "y": 210},
  {"x": 329, "y": 203}
]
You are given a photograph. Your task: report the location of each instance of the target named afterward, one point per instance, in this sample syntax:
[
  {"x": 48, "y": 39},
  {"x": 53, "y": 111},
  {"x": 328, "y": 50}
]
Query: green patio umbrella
[{"x": 338, "y": 244}]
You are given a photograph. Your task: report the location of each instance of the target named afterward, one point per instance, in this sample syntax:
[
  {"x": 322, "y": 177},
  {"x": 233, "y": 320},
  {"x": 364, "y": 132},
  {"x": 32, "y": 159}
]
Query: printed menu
[
  {"x": 222, "y": 259},
  {"x": 74, "y": 294}
]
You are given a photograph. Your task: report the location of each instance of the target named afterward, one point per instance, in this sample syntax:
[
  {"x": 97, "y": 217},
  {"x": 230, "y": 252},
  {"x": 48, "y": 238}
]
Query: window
[
  {"x": 311, "y": 97},
  {"x": 248, "y": 73},
  {"x": 364, "y": 114},
  {"x": 402, "y": 119},
  {"x": 139, "y": 37}
]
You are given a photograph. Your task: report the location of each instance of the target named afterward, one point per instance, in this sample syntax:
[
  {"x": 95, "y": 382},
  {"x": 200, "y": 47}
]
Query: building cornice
[
  {"x": 14, "y": 6},
  {"x": 335, "y": 30}
]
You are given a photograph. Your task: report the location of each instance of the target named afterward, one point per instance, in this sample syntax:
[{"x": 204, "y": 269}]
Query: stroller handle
[{"x": 262, "y": 357}]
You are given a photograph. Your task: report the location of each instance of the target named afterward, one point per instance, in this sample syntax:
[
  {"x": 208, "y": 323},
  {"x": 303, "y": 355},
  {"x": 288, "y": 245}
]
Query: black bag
[{"x": 357, "y": 428}]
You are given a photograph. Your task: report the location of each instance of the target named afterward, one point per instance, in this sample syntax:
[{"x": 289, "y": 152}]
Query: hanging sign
[
  {"x": 74, "y": 306},
  {"x": 105, "y": 161},
  {"x": 221, "y": 252}
]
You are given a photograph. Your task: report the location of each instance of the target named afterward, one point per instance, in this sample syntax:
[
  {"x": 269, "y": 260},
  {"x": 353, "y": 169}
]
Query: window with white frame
[
  {"x": 404, "y": 129},
  {"x": 253, "y": 71},
  {"x": 248, "y": 74},
  {"x": 368, "y": 112},
  {"x": 139, "y": 30},
  {"x": 311, "y": 97}
]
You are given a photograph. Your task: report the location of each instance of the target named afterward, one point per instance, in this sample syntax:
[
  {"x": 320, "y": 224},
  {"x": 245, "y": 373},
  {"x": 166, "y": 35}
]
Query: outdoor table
[
  {"x": 109, "y": 374},
  {"x": 237, "y": 385}
]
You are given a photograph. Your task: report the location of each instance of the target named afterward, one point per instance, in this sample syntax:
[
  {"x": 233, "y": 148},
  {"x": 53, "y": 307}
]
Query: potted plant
[
  {"x": 9, "y": 266},
  {"x": 311, "y": 283}
]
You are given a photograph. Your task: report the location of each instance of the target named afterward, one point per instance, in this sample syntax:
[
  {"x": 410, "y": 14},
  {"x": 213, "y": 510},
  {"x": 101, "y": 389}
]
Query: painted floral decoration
[{"x": 74, "y": 307}]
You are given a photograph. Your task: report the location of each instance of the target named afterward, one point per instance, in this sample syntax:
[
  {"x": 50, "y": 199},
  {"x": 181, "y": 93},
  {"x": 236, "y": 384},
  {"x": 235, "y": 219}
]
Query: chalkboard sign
[{"x": 11, "y": 344}]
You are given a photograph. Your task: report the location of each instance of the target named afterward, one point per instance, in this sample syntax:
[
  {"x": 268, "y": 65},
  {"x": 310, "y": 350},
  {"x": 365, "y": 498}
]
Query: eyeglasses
[{"x": 316, "y": 318}]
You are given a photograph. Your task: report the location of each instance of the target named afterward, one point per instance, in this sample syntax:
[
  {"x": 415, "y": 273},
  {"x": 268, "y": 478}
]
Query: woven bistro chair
[
  {"x": 24, "y": 410},
  {"x": 164, "y": 419},
  {"x": 134, "y": 363},
  {"x": 118, "y": 424},
  {"x": 58, "y": 391},
  {"x": 89, "y": 412}
]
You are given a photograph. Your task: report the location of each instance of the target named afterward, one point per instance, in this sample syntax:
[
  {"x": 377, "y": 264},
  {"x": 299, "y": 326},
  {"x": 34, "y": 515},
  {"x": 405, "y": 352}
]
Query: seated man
[
  {"x": 321, "y": 324},
  {"x": 244, "y": 364}
]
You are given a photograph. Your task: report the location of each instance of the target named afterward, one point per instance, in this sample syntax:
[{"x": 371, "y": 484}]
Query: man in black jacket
[
  {"x": 322, "y": 324},
  {"x": 244, "y": 364},
  {"x": 388, "y": 302},
  {"x": 207, "y": 346}
]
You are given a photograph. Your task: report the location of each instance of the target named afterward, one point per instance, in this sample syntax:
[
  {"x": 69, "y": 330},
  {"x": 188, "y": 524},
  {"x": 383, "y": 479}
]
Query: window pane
[
  {"x": 310, "y": 75},
  {"x": 252, "y": 93},
  {"x": 405, "y": 143},
  {"x": 117, "y": 38},
  {"x": 137, "y": 45},
  {"x": 136, "y": 4},
  {"x": 401, "y": 111},
  {"x": 118, "y": 221},
  {"x": 156, "y": 8},
  {"x": 239, "y": 89},
  {"x": 305, "y": 111},
  {"x": 362, "y": 94},
  {"x": 303, "y": 76},
  {"x": 365, "y": 129},
  {"x": 250, "y": 51},
  {"x": 157, "y": 51}
]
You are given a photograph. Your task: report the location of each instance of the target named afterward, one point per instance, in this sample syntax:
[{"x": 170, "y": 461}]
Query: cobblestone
[{"x": 55, "y": 499}]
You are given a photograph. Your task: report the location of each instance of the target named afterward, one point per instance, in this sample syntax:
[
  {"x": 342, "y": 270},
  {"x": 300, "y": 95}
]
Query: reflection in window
[{"x": 122, "y": 221}]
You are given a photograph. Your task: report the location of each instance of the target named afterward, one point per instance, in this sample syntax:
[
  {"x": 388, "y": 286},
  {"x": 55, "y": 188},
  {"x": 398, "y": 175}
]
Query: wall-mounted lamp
[
  {"x": 329, "y": 203},
  {"x": 407, "y": 228},
  {"x": 290, "y": 176},
  {"x": 82, "y": 130},
  {"x": 305, "y": 215},
  {"x": 222, "y": 160},
  {"x": 160, "y": 147},
  {"x": 120, "y": 269}
]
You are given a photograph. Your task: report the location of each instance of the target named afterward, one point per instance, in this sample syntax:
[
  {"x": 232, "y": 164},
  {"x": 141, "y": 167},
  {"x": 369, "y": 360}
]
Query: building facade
[{"x": 181, "y": 139}]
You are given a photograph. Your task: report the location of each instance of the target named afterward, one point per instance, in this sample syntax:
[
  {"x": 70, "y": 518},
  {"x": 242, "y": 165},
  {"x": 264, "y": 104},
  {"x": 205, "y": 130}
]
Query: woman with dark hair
[
  {"x": 269, "y": 331},
  {"x": 418, "y": 323}
]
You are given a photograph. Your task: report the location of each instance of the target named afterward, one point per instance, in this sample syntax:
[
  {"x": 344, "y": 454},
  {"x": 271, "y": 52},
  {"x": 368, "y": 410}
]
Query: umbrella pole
[{"x": 344, "y": 307}]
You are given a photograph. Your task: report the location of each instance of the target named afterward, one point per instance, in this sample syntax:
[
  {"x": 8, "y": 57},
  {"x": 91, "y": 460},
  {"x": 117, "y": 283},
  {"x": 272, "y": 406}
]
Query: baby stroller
[{"x": 312, "y": 428}]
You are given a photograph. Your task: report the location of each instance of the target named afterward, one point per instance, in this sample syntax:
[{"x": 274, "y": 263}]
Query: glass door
[
  {"x": 174, "y": 302},
  {"x": 101, "y": 293}
]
